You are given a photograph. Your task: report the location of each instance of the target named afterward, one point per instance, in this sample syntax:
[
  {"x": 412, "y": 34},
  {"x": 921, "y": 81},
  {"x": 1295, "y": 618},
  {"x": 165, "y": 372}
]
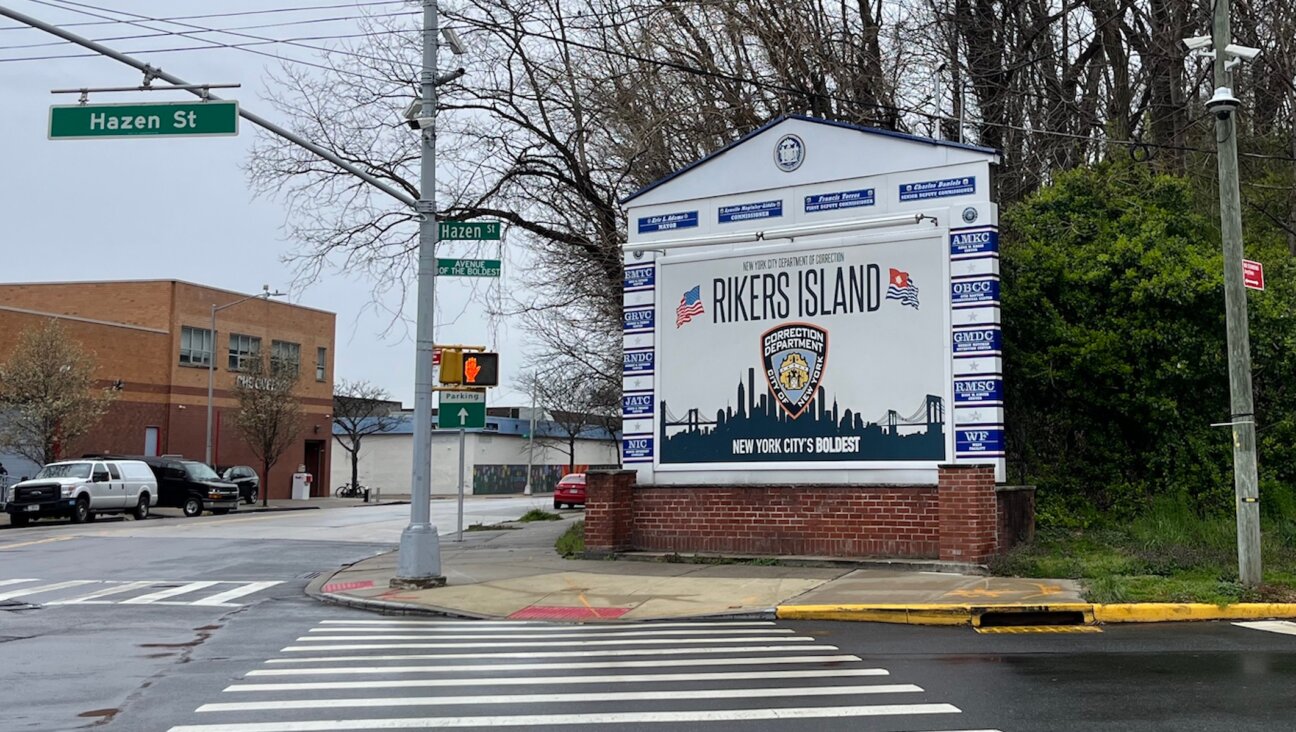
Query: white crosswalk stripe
[
  {"x": 201, "y": 593},
  {"x": 1286, "y": 627},
  {"x": 515, "y": 674}
]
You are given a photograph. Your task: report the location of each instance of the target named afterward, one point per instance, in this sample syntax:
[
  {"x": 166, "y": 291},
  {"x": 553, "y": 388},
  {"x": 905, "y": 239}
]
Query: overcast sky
[{"x": 175, "y": 208}]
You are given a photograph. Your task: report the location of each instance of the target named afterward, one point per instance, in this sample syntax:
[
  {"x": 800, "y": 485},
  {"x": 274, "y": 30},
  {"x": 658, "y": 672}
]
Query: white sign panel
[{"x": 837, "y": 354}]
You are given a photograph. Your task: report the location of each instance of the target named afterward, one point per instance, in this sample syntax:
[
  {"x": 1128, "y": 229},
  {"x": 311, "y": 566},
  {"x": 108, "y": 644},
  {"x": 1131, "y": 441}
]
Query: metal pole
[
  {"x": 196, "y": 90},
  {"x": 211, "y": 376},
  {"x": 419, "y": 561},
  {"x": 1245, "y": 480},
  {"x": 459, "y": 534},
  {"x": 530, "y": 446}
]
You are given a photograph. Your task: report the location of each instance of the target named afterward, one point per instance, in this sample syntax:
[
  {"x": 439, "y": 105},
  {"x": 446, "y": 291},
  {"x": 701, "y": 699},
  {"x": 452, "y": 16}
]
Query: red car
[{"x": 570, "y": 491}]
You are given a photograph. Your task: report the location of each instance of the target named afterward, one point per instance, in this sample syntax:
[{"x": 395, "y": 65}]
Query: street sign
[
  {"x": 149, "y": 119},
  {"x": 469, "y": 230},
  {"x": 468, "y": 268},
  {"x": 462, "y": 410},
  {"x": 1252, "y": 275}
]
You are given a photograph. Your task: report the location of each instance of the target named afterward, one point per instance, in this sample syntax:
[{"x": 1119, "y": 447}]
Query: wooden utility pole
[{"x": 1245, "y": 482}]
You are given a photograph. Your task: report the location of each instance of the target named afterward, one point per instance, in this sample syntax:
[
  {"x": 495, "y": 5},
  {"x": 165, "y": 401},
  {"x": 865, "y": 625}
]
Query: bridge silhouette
[{"x": 695, "y": 437}]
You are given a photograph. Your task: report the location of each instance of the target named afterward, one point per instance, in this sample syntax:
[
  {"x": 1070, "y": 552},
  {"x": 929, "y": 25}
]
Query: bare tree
[
  {"x": 47, "y": 394},
  {"x": 577, "y": 402},
  {"x": 360, "y": 409},
  {"x": 270, "y": 414}
]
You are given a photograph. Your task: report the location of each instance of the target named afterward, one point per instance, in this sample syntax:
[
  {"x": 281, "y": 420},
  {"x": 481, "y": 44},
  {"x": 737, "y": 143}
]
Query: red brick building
[{"x": 152, "y": 341}]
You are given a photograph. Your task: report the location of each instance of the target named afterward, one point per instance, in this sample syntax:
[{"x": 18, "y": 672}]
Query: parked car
[
  {"x": 570, "y": 491},
  {"x": 190, "y": 485},
  {"x": 82, "y": 489},
  {"x": 245, "y": 478}
]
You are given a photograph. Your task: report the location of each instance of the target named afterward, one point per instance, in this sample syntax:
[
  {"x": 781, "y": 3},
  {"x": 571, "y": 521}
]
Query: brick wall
[
  {"x": 969, "y": 519},
  {"x": 955, "y": 520}
]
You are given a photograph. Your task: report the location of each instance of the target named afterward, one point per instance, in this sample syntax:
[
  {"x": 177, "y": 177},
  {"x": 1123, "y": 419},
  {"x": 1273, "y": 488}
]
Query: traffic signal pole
[{"x": 419, "y": 562}]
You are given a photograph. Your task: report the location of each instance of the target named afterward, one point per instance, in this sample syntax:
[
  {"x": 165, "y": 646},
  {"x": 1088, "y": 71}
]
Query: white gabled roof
[{"x": 833, "y": 151}]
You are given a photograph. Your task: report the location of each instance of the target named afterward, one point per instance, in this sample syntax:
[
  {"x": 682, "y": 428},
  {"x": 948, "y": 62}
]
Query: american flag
[
  {"x": 690, "y": 306},
  {"x": 901, "y": 287}
]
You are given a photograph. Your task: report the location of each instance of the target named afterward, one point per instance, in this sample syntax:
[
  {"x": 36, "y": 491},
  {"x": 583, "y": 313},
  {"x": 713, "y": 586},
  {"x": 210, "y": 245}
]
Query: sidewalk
[{"x": 518, "y": 575}]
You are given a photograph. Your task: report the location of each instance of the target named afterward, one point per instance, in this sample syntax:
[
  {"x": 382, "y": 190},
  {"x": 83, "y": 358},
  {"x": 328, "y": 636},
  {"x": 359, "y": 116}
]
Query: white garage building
[{"x": 495, "y": 458}]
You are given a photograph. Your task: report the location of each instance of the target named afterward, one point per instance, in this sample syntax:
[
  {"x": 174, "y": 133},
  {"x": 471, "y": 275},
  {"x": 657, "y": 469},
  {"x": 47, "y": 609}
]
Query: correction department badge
[{"x": 794, "y": 356}]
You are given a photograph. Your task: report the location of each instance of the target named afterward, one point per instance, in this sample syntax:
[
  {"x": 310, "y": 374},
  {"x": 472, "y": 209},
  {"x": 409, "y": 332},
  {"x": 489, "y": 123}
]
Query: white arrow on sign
[{"x": 463, "y": 416}]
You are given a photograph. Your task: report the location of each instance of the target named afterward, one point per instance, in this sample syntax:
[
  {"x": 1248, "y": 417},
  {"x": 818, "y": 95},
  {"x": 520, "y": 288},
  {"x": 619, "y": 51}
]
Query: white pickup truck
[{"x": 82, "y": 489}]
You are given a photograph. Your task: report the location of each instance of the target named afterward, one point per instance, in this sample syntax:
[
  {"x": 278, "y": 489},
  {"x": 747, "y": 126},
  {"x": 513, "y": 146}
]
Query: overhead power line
[{"x": 230, "y": 14}]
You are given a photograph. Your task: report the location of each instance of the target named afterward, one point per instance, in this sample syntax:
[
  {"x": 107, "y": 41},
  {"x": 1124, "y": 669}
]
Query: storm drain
[{"x": 1001, "y": 618}]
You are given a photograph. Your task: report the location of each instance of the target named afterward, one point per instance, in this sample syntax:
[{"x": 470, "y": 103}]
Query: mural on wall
[{"x": 495, "y": 479}]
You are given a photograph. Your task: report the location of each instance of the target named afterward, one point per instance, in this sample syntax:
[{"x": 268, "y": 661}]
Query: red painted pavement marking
[
  {"x": 550, "y": 612},
  {"x": 344, "y": 586}
]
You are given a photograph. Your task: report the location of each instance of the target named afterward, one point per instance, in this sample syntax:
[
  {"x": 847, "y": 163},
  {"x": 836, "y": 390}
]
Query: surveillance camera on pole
[
  {"x": 414, "y": 116},
  {"x": 1223, "y": 103},
  {"x": 452, "y": 40}
]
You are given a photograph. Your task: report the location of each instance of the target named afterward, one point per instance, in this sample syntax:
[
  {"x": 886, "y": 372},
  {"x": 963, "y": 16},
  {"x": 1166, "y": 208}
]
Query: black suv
[
  {"x": 188, "y": 485},
  {"x": 245, "y": 478}
]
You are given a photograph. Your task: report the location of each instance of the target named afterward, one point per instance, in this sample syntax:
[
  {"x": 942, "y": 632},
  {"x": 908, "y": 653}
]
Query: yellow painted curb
[
  {"x": 922, "y": 614},
  {"x": 1167, "y": 612},
  {"x": 942, "y": 614}
]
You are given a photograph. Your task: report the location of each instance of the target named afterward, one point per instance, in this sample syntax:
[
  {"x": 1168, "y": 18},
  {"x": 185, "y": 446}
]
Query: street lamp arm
[{"x": 261, "y": 122}]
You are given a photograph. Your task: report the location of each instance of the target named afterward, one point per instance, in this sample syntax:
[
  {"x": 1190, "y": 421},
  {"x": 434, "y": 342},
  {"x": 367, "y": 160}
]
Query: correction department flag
[
  {"x": 902, "y": 287},
  {"x": 690, "y": 306}
]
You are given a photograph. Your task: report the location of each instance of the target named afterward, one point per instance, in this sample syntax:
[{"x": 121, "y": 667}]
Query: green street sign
[
  {"x": 152, "y": 119},
  {"x": 468, "y": 268},
  {"x": 469, "y": 230},
  {"x": 462, "y": 410}
]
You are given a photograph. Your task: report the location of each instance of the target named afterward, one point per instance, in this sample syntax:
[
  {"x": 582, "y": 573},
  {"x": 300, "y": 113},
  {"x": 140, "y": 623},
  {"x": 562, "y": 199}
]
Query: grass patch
[
  {"x": 539, "y": 514},
  {"x": 1170, "y": 553},
  {"x": 572, "y": 542},
  {"x": 491, "y": 527}
]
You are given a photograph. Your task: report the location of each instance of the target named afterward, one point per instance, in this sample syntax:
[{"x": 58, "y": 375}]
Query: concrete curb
[{"x": 1089, "y": 613}]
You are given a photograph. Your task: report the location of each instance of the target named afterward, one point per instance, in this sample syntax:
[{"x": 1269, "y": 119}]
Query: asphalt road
[{"x": 201, "y": 626}]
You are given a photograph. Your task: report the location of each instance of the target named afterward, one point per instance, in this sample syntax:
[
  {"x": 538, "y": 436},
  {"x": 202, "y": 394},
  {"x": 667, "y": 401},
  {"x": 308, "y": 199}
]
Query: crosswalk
[
  {"x": 1285, "y": 627},
  {"x": 204, "y": 593},
  {"x": 366, "y": 674}
]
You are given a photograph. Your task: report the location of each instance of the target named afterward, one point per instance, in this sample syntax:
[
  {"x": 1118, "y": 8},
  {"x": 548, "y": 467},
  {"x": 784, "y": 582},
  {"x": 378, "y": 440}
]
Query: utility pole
[
  {"x": 419, "y": 561},
  {"x": 1242, "y": 421}
]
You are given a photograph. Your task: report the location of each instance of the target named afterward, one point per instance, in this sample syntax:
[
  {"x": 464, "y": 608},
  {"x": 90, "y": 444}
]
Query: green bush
[{"x": 1114, "y": 350}]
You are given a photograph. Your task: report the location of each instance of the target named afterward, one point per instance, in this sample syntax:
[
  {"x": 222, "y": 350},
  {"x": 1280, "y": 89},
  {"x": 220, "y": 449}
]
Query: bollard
[{"x": 366, "y": 490}]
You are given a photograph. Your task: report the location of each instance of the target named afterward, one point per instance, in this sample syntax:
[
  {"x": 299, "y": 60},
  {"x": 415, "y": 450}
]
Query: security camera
[
  {"x": 1223, "y": 103},
  {"x": 1245, "y": 52},
  {"x": 1198, "y": 43},
  {"x": 414, "y": 116},
  {"x": 452, "y": 40}
]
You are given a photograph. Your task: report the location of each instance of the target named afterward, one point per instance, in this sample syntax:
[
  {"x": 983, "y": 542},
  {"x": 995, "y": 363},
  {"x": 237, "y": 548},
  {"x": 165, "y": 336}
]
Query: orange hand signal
[{"x": 471, "y": 369}]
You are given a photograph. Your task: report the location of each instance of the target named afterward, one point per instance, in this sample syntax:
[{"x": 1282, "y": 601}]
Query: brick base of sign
[{"x": 956, "y": 520}]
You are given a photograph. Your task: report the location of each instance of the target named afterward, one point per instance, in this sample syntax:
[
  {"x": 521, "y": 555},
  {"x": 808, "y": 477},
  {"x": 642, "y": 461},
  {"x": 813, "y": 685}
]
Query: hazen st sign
[{"x": 157, "y": 119}]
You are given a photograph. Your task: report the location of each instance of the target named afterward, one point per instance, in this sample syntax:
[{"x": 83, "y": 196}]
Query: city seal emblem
[{"x": 794, "y": 356}]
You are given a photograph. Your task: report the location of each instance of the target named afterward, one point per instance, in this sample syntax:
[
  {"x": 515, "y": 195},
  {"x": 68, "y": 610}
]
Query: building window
[
  {"x": 243, "y": 349},
  {"x": 321, "y": 358},
  {"x": 195, "y": 346},
  {"x": 285, "y": 356}
]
